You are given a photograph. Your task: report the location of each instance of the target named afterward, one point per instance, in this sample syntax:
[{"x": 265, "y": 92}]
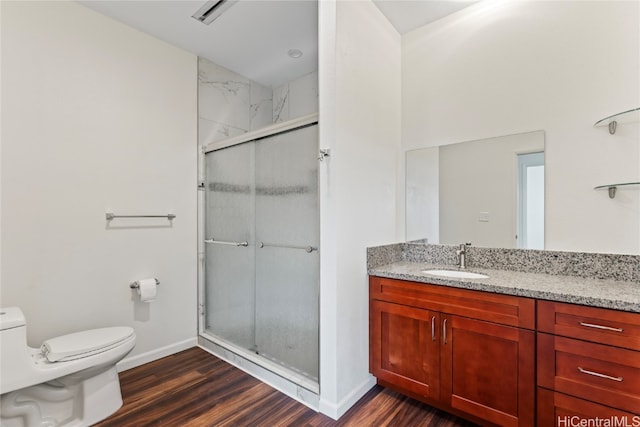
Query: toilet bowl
[{"x": 69, "y": 381}]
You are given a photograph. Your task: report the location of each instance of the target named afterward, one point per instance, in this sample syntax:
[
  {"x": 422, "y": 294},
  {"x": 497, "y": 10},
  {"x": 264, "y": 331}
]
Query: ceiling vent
[{"x": 212, "y": 10}]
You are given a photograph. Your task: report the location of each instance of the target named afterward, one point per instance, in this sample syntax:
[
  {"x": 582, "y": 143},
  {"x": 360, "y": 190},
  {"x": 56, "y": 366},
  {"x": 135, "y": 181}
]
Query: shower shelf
[
  {"x": 613, "y": 187},
  {"x": 624, "y": 117}
]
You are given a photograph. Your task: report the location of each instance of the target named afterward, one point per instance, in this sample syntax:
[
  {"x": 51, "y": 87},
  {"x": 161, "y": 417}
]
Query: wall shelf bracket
[
  {"x": 611, "y": 122},
  {"x": 613, "y": 188}
]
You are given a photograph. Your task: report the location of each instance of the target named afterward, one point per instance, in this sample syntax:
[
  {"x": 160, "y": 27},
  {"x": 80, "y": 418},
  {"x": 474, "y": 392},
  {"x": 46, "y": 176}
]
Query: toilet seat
[{"x": 83, "y": 344}]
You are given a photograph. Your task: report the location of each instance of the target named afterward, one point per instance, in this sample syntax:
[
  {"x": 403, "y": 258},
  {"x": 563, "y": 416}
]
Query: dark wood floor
[{"x": 194, "y": 388}]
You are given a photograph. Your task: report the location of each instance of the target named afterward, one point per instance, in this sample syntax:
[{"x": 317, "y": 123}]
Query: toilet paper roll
[{"x": 147, "y": 289}]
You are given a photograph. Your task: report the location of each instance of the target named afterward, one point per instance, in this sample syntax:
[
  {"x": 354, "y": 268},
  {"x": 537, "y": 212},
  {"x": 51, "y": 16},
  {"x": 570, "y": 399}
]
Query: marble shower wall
[
  {"x": 230, "y": 104},
  {"x": 295, "y": 99}
]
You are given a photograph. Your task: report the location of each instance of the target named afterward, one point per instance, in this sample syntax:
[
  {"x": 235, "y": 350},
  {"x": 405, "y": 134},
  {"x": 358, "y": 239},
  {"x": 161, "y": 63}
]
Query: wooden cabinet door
[
  {"x": 488, "y": 370},
  {"x": 404, "y": 347}
]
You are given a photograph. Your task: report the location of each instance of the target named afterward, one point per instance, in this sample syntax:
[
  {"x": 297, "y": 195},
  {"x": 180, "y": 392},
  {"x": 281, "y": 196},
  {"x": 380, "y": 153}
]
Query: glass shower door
[
  {"x": 230, "y": 264},
  {"x": 287, "y": 260},
  {"x": 262, "y": 259}
]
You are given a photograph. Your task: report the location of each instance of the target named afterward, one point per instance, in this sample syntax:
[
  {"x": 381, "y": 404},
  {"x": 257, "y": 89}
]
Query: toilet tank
[
  {"x": 11, "y": 317},
  {"x": 14, "y": 355}
]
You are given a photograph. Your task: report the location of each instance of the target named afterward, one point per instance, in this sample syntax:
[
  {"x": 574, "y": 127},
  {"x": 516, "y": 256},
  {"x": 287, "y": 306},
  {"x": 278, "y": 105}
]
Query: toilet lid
[{"x": 85, "y": 343}]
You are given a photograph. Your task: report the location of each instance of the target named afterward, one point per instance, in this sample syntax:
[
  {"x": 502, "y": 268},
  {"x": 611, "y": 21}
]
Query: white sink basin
[{"x": 456, "y": 274}]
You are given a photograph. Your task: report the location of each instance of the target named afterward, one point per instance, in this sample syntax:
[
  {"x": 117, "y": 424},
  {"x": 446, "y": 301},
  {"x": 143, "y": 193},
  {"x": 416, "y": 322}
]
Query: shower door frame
[{"x": 307, "y": 391}]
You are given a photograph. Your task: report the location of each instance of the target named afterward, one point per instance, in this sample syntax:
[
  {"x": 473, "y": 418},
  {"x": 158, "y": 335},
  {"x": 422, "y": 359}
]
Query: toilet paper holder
[{"x": 136, "y": 284}]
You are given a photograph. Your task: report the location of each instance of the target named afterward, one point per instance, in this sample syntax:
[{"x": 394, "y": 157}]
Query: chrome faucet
[{"x": 462, "y": 253}]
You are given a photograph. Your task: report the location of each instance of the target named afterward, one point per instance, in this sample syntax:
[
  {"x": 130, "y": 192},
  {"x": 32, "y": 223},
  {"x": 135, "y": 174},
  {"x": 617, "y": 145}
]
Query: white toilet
[{"x": 69, "y": 381}]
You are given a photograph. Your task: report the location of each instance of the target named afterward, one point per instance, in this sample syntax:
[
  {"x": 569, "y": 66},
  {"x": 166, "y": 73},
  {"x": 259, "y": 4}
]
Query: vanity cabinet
[
  {"x": 588, "y": 362},
  {"x": 468, "y": 352}
]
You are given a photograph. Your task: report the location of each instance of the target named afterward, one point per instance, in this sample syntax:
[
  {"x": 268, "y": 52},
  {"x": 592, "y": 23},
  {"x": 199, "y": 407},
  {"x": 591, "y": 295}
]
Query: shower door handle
[
  {"x": 309, "y": 249},
  {"x": 222, "y": 242}
]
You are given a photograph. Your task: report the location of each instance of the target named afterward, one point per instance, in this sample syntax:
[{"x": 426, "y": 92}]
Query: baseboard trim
[
  {"x": 159, "y": 353},
  {"x": 336, "y": 410}
]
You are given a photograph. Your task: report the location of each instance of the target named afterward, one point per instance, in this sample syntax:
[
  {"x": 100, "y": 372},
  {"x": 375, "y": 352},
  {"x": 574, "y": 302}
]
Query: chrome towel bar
[{"x": 111, "y": 215}]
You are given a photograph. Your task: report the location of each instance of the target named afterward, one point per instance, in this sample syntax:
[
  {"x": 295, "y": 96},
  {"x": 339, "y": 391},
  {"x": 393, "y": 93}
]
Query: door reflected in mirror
[
  {"x": 489, "y": 192},
  {"x": 530, "y": 201}
]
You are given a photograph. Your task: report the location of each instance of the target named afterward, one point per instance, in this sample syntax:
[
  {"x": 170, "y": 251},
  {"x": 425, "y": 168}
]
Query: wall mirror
[{"x": 489, "y": 192}]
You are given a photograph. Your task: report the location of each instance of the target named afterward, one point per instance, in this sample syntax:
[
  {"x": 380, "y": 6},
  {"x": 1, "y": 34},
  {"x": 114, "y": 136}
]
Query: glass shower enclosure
[{"x": 261, "y": 290}]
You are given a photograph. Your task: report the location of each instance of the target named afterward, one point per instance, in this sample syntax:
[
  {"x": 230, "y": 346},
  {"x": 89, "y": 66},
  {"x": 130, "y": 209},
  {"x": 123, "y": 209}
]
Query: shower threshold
[{"x": 291, "y": 375}]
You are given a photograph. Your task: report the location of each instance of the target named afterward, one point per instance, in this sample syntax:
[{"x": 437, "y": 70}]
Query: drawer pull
[
  {"x": 599, "y": 375},
  {"x": 606, "y": 328},
  {"x": 433, "y": 328}
]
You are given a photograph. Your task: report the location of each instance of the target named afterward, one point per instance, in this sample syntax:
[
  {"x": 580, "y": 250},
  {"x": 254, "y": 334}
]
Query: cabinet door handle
[
  {"x": 606, "y": 328},
  {"x": 433, "y": 328},
  {"x": 599, "y": 375},
  {"x": 444, "y": 331}
]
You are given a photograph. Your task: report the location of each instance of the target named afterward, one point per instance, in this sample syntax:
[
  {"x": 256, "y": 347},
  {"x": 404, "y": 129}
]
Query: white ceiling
[
  {"x": 407, "y": 15},
  {"x": 253, "y": 37}
]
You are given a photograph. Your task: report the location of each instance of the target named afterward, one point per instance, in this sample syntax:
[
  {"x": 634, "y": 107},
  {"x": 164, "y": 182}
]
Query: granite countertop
[{"x": 606, "y": 293}]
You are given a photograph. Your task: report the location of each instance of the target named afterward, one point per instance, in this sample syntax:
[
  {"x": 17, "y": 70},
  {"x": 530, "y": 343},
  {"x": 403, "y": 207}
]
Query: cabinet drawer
[
  {"x": 595, "y": 372},
  {"x": 502, "y": 309},
  {"x": 618, "y": 328},
  {"x": 557, "y": 409}
]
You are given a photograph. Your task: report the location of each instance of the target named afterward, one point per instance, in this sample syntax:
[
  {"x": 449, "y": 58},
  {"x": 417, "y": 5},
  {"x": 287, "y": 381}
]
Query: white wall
[
  {"x": 499, "y": 68},
  {"x": 360, "y": 122},
  {"x": 97, "y": 117}
]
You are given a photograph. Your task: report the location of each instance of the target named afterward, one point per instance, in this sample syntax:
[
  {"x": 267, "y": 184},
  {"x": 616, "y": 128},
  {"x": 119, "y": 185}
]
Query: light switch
[{"x": 483, "y": 217}]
